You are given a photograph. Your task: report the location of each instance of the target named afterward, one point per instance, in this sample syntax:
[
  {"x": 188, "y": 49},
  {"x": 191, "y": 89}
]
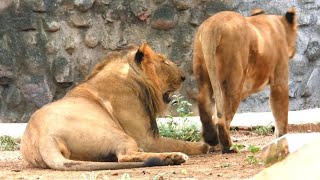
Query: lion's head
[{"x": 164, "y": 74}]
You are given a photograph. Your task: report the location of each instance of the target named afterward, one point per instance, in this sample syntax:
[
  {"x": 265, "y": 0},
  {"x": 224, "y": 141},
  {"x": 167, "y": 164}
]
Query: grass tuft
[{"x": 8, "y": 143}]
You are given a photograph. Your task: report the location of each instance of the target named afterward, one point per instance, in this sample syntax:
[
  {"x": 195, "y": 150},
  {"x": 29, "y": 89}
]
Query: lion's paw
[{"x": 176, "y": 158}]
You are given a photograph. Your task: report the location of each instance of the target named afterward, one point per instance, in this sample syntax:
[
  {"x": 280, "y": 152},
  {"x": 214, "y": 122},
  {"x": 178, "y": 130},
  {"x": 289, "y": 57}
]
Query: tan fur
[
  {"x": 110, "y": 116},
  {"x": 235, "y": 56}
]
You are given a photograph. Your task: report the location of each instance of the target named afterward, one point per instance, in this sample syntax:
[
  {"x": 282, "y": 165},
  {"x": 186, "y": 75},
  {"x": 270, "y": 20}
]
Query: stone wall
[{"x": 48, "y": 46}]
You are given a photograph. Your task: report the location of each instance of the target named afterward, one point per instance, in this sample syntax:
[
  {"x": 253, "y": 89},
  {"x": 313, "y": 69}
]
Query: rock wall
[{"x": 48, "y": 46}]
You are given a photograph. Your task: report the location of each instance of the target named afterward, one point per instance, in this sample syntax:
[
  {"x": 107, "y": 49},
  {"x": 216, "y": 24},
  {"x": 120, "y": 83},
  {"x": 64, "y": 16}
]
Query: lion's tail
[
  {"x": 209, "y": 47},
  {"x": 55, "y": 160}
]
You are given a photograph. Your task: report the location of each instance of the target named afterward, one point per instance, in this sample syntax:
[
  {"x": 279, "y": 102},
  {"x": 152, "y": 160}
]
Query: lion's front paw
[{"x": 176, "y": 158}]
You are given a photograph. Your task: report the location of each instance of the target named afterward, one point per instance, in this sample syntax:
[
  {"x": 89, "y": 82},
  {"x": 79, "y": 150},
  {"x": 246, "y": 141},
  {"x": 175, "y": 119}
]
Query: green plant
[
  {"x": 263, "y": 130},
  {"x": 237, "y": 147},
  {"x": 184, "y": 129},
  {"x": 8, "y": 143},
  {"x": 252, "y": 159},
  {"x": 183, "y": 106}
]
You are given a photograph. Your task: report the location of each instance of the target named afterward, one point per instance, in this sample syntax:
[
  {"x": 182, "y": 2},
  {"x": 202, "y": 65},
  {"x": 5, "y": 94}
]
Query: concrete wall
[{"x": 48, "y": 46}]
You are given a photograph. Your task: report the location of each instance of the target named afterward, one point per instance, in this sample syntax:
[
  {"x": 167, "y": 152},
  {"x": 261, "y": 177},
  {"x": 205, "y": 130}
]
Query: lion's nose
[{"x": 183, "y": 78}]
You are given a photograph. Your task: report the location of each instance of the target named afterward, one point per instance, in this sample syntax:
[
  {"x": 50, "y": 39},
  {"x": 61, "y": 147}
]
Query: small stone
[
  {"x": 140, "y": 8},
  {"x": 197, "y": 16},
  {"x": 79, "y": 21},
  {"x": 69, "y": 45},
  {"x": 182, "y": 4},
  {"x": 38, "y": 6},
  {"x": 299, "y": 64},
  {"x": 51, "y": 47},
  {"x": 313, "y": 50},
  {"x": 90, "y": 40},
  {"x": 62, "y": 69},
  {"x": 164, "y": 18},
  {"x": 51, "y": 26},
  {"x": 6, "y": 74},
  {"x": 84, "y": 5},
  {"x": 313, "y": 83}
]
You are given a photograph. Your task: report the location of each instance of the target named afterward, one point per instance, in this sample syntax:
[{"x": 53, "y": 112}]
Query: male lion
[
  {"x": 235, "y": 56},
  {"x": 110, "y": 116}
]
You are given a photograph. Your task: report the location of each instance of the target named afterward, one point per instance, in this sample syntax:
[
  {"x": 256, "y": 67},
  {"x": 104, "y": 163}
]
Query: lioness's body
[
  {"x": 109, "y": 117},
  {"x": 235, "y": 56}
]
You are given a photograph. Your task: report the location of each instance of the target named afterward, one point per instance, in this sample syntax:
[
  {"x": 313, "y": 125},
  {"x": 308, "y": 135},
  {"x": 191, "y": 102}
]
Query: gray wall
[{"x": 48, "y": 46}]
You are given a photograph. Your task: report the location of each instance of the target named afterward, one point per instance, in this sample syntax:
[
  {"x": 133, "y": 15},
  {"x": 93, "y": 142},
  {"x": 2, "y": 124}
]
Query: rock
[
  {"x": 313, "y": 82},
  {"x": 105, "y": 2},
  {"x": 215, "y": 6},
  {"x": 84, "y": 5},
  {"x": 182, "y": 4},
  {"x": 37, "y": 90},
  {"x": 62, "y": 70},
  {"x": 293, "y": 88},
  {"x": 91, "y": 40},
  {"x": 300, "y": 164},
  {"x": 141, "y": 9},
  {"x": 51, "y": 47},
  {"x": 197, "y": 16},
  {"x": 6, "y": 74},
  {"x": 164, "y": 18},
  {"x": 51, "y": 25},
  {"x": 299, "y": 65},
  {"x": 79, "y": 21},
  {"x": 313, "y": 50}
]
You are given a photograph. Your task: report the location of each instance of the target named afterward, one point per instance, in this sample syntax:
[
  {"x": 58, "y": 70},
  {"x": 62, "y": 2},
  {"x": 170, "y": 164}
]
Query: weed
[
  {"x": 252, "y": 159},
  {"x": 8, "y": 143},
  {"x": 183, "y": 106},
  {"x": 253, "y": 149},
  {"x": 89, "y": 176},
  {"x": 263, "y": 130},
  {"x": 125, "y": 176},
  {"x": 237, "y": 147}
]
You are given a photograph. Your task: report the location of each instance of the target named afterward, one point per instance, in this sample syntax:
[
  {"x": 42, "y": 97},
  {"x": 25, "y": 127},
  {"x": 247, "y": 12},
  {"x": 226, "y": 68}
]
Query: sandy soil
[{"x": 211, "y": 166}]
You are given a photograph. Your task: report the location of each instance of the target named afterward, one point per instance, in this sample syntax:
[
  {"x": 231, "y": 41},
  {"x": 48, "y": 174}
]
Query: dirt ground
[{"x": 211, "y": 166}]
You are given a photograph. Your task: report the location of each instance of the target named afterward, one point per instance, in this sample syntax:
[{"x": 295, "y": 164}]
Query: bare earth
[{"x": 211, "y": 166}]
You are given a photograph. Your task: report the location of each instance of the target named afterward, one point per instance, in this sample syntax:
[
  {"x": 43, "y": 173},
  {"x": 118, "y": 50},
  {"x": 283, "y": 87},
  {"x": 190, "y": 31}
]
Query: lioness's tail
[
  {"x": 209, "y": 38},
  {"x": 52, "y": 156}
]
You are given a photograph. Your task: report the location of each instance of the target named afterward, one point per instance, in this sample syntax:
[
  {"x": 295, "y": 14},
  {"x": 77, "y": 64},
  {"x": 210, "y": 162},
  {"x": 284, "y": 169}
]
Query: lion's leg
[
  {"x": 130, "y": 152},
  {"x": 279, "y": 102},
  {"x": 164, "y": 144}
]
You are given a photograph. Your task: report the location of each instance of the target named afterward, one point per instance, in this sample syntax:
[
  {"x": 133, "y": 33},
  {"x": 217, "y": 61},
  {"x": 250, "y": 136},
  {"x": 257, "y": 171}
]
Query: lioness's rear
[{"x": 235, "y": 56}]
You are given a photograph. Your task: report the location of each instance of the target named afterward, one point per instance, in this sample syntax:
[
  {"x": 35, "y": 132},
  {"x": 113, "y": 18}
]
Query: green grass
[
  {"x": 263, "y": 130},
  {"x": 8, "y": 143}
]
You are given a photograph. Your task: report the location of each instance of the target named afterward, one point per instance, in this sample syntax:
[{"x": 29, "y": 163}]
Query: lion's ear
[
  {"x": 291, "y": 16},
  {"x": 144, "y": 53}
]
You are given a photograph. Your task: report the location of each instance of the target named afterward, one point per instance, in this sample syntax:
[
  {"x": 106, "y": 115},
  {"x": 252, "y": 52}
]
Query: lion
[
  {"x": 235, "y": 56},
  {"x": 111, "y": 116}
]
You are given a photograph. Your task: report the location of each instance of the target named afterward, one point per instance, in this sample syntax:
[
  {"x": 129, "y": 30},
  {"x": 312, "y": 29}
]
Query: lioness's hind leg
[
  {"x": 205, "y": 104},
  {"x": 279, "y": 102}
]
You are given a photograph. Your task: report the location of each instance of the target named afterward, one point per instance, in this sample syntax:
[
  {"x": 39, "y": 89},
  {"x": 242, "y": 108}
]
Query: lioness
[
  {"x": 110, "y": 116},
  {"x": 235, "y": 56}
]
